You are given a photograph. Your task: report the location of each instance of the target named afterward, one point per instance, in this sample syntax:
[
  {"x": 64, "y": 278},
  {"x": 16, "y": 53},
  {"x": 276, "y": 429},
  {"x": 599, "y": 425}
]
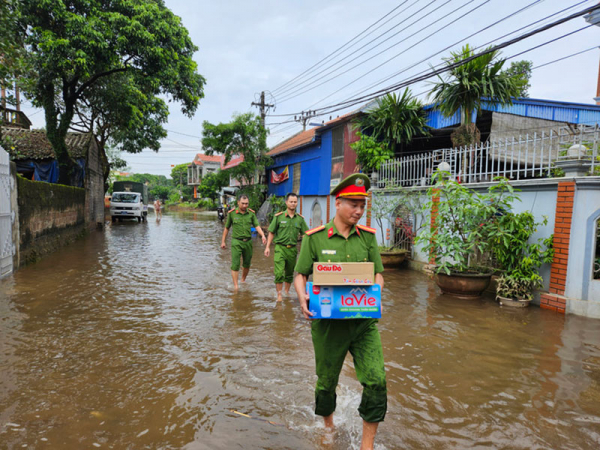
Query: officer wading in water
[
  {"x": 241, "y": 220},
  {"x": 284, "y": 231},
  {"x": 342, "y": 240}
]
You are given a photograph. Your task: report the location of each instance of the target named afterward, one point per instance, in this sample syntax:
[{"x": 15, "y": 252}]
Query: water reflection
[{"x": 134, "y": 339}]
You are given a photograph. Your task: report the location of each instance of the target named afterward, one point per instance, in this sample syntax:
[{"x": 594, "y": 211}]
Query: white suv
[{"x": 126, "y": 204}]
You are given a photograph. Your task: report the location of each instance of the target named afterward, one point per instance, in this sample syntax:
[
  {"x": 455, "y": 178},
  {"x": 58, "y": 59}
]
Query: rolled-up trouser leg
[
  {"x": 368, "y": 362},
  {"x": 331, "y": 341}
]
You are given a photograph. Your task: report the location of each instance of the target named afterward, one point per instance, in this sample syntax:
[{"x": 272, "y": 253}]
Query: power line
[
  {"x": 286, "y": 91},
  {"x": 352, "y": 102},
  {"x": 339, "y": 48},
  {"x": 430, "y": 56}
]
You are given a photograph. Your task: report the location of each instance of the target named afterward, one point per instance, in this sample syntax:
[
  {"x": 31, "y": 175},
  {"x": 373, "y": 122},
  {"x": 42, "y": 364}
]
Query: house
[
  {"x": 312, "y": 162},
  {"x": 201, "y": 166}
]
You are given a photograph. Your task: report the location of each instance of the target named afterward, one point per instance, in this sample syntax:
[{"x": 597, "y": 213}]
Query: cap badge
[{"x": 359, "y": 182}]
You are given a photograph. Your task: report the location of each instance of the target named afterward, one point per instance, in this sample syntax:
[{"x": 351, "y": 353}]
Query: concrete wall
[
  {"x": 50, "y": 216},
  {"x": 572, "y": 208}
]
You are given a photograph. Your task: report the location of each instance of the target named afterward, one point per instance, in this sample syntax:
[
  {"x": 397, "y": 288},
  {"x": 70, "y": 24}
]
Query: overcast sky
[{"x": 246, "y": 47}]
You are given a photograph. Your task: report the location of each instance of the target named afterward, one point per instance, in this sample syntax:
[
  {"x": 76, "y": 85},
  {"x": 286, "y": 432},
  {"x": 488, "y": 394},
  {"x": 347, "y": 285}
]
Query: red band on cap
[{"x": 352, "y": 190}]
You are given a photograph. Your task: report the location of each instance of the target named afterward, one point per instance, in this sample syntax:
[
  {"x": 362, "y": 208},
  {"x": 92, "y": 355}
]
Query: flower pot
[
  {"x": 393, "y": 259},
  {"x": 512, "y": 302},
  {"x": 464, "y": 285}
]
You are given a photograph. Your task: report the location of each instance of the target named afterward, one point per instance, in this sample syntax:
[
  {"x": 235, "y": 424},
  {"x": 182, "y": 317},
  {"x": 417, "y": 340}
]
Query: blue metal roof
[{"x": 577, "y": 113}]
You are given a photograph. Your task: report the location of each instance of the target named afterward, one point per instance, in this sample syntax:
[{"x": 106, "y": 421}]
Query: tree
[
  {"x": 212, "y": 184},
  {"x": 179, "y": 174},
  {"x": 370, "y": 154},
  {"x": 75, "y": 45},
  {"x": 472, "y": 83},
  {"x": 115, "y": 161},
  {"x": 244, "y": 136},
  {"x": 161, "y": 192},
  {"x": 521, "y": 69},
  {"x": 396, "y": 119}
]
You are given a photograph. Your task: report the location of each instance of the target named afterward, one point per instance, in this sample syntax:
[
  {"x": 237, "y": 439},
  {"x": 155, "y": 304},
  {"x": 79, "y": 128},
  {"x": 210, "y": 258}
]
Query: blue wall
[{"x": 315, "y": 160}]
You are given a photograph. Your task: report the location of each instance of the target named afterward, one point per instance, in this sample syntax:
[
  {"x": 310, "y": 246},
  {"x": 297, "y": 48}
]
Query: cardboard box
[
  {"x": 344, "y": 302},
  {"x": 343, "y": 274}
]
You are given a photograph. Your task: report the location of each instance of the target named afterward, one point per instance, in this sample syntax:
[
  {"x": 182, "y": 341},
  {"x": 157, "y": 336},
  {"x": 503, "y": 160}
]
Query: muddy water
[{"x": 134, "y": 339}]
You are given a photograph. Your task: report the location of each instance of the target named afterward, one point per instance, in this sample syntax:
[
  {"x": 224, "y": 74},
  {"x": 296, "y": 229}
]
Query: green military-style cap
[{"x": 353, "y": 186}]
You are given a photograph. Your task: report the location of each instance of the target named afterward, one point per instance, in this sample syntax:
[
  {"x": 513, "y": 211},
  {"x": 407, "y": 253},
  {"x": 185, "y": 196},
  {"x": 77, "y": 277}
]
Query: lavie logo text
[
  {"x": 354, "y": 300},
  {"x": 329, "y": 268}
]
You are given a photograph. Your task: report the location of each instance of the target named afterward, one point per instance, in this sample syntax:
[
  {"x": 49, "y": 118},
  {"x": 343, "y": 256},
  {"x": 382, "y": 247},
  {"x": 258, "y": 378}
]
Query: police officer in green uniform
[
  {"x": 284, "y": 231},
  {"x": 241, "y": 220},
  {"x": 343, "y": 240}
]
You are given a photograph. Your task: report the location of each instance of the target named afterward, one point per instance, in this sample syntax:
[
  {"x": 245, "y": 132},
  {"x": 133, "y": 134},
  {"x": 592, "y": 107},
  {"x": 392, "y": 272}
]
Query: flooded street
[{"x": 133, "y": 338}]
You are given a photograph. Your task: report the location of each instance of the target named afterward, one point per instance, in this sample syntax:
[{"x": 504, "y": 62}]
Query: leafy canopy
[
  {"x": 370, "y": 154},
  {"x": 396, "y": 119},
  {"x": 179, "y": 174},
  {"x": 212, "y": 183},
  {"x": 75, "y": 45},
  {"x": 243, "y": 136},
  {"x": 479, "y": 80}
]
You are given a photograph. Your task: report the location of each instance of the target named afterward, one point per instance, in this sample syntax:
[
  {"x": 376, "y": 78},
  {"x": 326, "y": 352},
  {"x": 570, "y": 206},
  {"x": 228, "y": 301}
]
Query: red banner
[{"x": 280, "y": 178}]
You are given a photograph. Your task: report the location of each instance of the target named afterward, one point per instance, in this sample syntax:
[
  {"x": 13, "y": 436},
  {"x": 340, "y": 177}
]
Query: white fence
[{"x": 525, "y": 157}]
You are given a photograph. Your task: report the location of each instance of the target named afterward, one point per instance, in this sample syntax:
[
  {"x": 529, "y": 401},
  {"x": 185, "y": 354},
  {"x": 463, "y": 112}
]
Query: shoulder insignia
[
  {"x": 300, "y": 215},
  {"x": 231, "y": 210},
  {"x": 368, "y": 229},
  {"x": 251, "y": 210},
  {"x": 279, "y": 213},
  {"x": 315, "y": 230}
]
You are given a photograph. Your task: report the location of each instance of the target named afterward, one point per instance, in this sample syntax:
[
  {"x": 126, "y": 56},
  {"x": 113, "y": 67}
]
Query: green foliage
[
  {"x": 212, "y": 184},
  {"x": 179, "y": 174},
  {"x": 521, "y": 69},
  {"x": 277, "y": 205},
  {"x": 464, "y": 221},
  {"x": 160, "y": 192},
  {"x": 114, "y": 159},
  {"x": 256, "y": 195},
  {"x": 173, "y": 198},
  {"x": 370, "y": 154},
  {"x": 243, "y": 136},
  {"x": 479, "y": 80},
  {"x": 14, "y": 63},
  {"x": 387, "y": 203},
  {"x": 520, "y": 260},
  {"x": 396, "y": 119},
  {"x": 77, "y": 45}
]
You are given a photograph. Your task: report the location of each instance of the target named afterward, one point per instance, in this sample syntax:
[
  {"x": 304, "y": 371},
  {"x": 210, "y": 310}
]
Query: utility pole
[
  {"x": 304, "y": 117},
  {"x": 264, "y": 107},
  {"x": 593, "y": 18}
]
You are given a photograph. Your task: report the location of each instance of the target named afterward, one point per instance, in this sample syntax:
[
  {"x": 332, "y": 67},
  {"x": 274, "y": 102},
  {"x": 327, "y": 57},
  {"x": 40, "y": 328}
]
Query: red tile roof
[
  {"x": 201, "y": 157},
  {"x": 234, "y": 161}
]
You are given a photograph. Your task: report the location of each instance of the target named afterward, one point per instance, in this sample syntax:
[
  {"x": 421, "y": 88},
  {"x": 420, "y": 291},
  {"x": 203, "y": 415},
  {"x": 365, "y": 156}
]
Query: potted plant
[
  {"x": 519, "y": 259},
  {"x": 383, "y": 206},
  {"x": 461, "y": 223}
]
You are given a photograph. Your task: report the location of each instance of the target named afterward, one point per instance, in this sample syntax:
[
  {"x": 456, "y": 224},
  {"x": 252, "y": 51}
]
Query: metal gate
[{"x": 6, "y": 215}]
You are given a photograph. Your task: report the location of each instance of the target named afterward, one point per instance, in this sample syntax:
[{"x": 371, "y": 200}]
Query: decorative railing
[{"x": 525, "y": 157}]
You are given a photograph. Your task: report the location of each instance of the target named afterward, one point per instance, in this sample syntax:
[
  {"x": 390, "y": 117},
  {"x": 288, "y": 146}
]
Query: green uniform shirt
[
  {"x": 241, "y": 224},
  {"x": 325, "y": 244},
  {"x": 286, "y": 229}
]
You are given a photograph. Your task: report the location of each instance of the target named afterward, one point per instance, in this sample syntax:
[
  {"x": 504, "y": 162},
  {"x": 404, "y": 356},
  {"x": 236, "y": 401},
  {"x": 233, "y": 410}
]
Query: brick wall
[
  {"x": 555, "y": 299},
  {"x": 50, "y": 216}
]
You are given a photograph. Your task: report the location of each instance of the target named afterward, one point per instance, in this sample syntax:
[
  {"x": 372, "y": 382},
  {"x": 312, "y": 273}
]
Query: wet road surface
[{"x": 133, "y": 339}]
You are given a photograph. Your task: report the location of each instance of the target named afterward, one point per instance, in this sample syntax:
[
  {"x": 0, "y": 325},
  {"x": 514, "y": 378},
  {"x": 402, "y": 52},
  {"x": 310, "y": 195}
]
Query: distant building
[{"x": 201, "y": 166}]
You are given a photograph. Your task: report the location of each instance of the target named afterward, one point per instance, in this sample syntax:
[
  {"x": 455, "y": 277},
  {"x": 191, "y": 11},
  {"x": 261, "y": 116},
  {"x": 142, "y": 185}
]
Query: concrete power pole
[{"x": 263, "y": 107}]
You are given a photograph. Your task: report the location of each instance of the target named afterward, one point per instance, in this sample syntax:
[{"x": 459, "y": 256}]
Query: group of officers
[{"x": 340, "y": 240}]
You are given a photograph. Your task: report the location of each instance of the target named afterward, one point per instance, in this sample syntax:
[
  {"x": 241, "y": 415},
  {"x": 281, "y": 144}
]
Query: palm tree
[
  {"x": 468, "y": 85},
  {"x": 396, "y": 119}
]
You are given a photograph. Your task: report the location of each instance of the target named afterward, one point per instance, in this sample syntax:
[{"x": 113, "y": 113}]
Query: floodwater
[{"x": 133, "y": 339}]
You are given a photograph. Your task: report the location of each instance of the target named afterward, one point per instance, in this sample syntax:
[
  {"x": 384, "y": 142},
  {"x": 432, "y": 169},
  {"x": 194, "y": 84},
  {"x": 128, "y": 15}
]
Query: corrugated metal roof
[{"x": 576, "y": 113}]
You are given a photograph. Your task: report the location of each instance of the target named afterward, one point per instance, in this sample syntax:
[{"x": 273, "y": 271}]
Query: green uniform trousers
[
  {"x": 243, "y": 250},
  {"x": 332, "y": 339},
  {"x": 284, "y": 260}
]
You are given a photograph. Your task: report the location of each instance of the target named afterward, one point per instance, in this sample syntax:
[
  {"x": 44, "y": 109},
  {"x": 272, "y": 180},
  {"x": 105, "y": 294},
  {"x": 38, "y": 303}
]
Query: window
[
  {"x": 337, "y": 155},
  {"x": 296, "y": 180}
]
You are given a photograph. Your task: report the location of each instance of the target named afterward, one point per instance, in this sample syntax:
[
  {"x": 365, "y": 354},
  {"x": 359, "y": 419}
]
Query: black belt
[
  {"x": 287, "y": 246},
  {"x": 242, "y": 239}
]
